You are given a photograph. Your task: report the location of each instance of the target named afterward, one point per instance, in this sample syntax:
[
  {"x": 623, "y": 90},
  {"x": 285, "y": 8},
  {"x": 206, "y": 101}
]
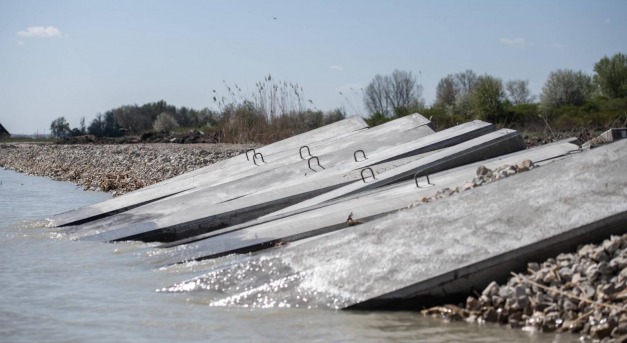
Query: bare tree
[
  {"x": 519, "y": 92},
  {"x": 454, "y": 92},
  {"x": 403, "y": 90},
  {"x": 446, "y": 91},
  {"x": 466, "y": 81},
  {"x": 393, "y": 94},
  {"x": 83, "y": 128},
  {"x": 375, "y": 96}
]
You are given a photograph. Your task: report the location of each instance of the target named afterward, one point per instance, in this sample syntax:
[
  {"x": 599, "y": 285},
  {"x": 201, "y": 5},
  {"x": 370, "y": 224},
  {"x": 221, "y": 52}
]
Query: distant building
[{"x": 4, "y": 133}]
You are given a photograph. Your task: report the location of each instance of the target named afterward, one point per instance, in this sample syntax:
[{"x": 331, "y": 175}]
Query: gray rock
[
  {"x": 533, "y": 266},
  {"x": 489, "y": 315},
  {"x": 587, "y": 290},
  {"x": 600, "y": 331},
  {"x": 492, "y": 289},
  {"x": 604, "y": 268},
  {"x": 618, "y": 263},
  {"x": 506, "y": 293},
  {"x": 566, "y": 274},
  {"x": 600, "y": 255},
  {"x": 612, "y": 244},
  {"x": 592, "y": 273},
  {"x": 568, "y": 305}
]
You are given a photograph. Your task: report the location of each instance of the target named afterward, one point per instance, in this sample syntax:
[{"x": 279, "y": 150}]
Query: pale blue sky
[{"x": 79, "y": 58}]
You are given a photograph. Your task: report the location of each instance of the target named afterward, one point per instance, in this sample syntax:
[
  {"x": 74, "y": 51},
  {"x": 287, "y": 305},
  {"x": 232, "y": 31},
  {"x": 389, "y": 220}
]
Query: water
[{"x": 56, "y": 290}]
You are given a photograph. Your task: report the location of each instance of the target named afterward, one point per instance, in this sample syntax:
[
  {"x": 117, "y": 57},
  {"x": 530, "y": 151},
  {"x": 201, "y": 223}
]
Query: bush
[{"x": 165, "y": 122}]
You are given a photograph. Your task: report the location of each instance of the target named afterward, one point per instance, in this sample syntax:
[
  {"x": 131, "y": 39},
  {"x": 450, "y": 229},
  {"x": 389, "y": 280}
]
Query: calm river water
[{"x": 56, "y": 290}]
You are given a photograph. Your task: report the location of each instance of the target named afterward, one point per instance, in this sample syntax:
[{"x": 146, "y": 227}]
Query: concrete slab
[
  {"x": 490, "y": 145},
  {"x": 275, "y": 155},
  {"x": 193, "y": 214},
  {"x": 606, "y": 137},
  {"x": 256, "y": 235},
  {"x": 446, "y": 248},
  {"x": 170, "y": 220}
]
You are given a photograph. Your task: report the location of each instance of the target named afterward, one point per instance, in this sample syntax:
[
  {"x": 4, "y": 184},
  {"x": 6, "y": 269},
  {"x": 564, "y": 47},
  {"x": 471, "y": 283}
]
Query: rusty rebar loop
[
  {"x": 362, "y": 152},
  {"x": 428, "y": 182},
  {"x": 317, "y": 160},
  {"x": 371, "y": 173},
  {"x": 255, "y": 158},
  {"x": 300, "y": 151},
  {"x": 249, "y": 150}
]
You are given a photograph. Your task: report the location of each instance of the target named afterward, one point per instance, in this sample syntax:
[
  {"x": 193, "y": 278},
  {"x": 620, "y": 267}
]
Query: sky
[{"x": 80, "y": 58}]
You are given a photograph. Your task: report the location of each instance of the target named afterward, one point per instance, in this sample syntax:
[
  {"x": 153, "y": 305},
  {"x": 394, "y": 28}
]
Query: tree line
[
  {"x": 569, "y": 99},
  {"x": 278, "y": 109}
]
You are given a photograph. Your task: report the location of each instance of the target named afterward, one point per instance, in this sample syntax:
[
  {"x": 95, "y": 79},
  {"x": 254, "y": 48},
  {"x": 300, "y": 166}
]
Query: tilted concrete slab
[
  {"x": 256, "y": 235},
  {"x": 275, "y": 155},
  {"x": 264, "y": 176},
  {"x": 490, "y": 145},
  {"x": 168, "y": 221},
  {"x": 445, "y": 248},
  {"x": 193, "y": 214}
]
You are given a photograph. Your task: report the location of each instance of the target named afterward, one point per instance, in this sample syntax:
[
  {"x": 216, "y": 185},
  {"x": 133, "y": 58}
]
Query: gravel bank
[
  {"x": 113, "y": 168},
  {"x": 583, "y": 292}
]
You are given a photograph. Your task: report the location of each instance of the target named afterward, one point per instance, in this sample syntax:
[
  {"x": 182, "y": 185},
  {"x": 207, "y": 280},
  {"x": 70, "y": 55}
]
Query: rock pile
[
  {"x": 484, "y": 175},
  {"x": 113, "y": 168},
  {"x": 584, "y": 292}
]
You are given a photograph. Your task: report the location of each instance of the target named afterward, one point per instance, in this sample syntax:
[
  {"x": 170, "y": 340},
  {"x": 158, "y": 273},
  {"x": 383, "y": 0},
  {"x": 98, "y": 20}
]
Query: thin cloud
[
  {"x": 40, "y": 32},
  {"x": 518, "y": 42},
  {"x": 20, "y": 42},
  {"x": 336, "y": 67},
  {"x": 559, "y": 45}
]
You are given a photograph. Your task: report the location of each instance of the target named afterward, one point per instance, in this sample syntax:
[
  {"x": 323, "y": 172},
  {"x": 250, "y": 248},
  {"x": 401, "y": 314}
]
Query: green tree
[
  {"x": 104, "y": 125},
  {"x": 566, "y": 87},
  {"x": 611, "y": 75},
  {"x": 453, "y": 92},
  {"x": 487, "y": 97},
  {"x": 60, "y": 127}
]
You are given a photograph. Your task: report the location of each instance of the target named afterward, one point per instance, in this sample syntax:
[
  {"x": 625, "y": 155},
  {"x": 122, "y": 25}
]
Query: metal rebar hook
[
  {"x": 371, "y": 173},
  {"x": 249, "y": 150},
  {"x": 255, "y": 158},
  {"x": 317, "y": 160},
  {"x": 428, "y": 182},
  {"x": 300, "y": 151},
  {"x": 362, "y": 152},
  {"x": 580, "y": 149}
]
